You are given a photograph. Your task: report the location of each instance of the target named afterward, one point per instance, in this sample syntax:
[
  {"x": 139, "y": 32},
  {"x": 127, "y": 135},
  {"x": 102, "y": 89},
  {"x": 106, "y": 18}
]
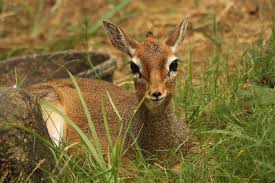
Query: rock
[
  {"x": 34, "y": 69},
  {"x": 21, "y": 154}
]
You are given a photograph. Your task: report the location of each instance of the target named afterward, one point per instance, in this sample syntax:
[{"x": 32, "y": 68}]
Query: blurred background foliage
[
  {"x": 226, "y": 82},
  {"x": 39, "y": 26}
]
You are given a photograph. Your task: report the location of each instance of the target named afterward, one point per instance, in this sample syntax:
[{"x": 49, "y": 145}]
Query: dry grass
[
  {"x": 38, "y": 25},
  {"x": 222, "y": 107}
]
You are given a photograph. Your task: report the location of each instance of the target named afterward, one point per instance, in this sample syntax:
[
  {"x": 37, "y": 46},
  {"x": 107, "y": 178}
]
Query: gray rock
[
  {"x": 21, "y": 154},
  {"x": 34, "y": 69}
]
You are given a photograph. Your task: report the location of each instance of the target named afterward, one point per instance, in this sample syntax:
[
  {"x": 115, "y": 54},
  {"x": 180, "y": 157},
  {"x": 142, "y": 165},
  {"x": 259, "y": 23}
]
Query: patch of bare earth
[
  {"x": 29, "y": 24},
  {"x": 240, "y": 25}
]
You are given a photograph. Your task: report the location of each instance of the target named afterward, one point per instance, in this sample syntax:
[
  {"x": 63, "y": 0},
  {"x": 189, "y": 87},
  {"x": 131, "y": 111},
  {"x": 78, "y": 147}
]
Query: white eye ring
[
  {"x": 171, "y": 74},
  {"x": 169, "y": 61},
  {"x": 137, "y": 61}
]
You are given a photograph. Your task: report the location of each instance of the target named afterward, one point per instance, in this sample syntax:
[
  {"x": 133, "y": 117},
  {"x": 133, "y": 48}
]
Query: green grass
[
  {"x": 90, "y": 29},
  {"x": 233, "y": 119},
  {"x": 34, "y": 22},
  {"x": 233, "y": 122},
  {"x": 261, "y": 62},
  {"x": 93, "y": 166},
  {"x": 231, "y": 113}
]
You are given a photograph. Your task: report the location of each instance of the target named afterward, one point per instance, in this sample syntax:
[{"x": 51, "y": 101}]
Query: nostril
[{"x": 156, "y": 94}]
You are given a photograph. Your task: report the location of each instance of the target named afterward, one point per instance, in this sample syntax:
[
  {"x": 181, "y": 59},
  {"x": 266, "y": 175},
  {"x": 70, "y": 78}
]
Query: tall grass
[
  {"x": 94, "y": 165},
  {"x": 231, "y": 113},
  {"x": 98, "y": 168},
  {"x": 233, "y": 121},
  {"x": 261, "y": 62}
]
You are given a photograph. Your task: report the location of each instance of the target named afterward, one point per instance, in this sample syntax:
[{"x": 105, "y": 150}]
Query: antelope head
[{"x": 153, "y": 62}]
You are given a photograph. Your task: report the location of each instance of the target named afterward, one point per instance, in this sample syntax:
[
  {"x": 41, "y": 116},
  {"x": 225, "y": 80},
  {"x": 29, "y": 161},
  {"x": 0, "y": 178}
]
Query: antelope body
[{"x": 154, "y": 67}]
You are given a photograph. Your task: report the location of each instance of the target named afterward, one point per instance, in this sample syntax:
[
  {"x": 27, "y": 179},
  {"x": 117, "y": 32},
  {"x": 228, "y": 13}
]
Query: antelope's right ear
[{"x": 120, "y": 39}]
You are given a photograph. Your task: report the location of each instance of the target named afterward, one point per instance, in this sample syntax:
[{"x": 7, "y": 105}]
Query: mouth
[
  {"x": 154, "y": 103},
  {"x": 157, "y": 99}
]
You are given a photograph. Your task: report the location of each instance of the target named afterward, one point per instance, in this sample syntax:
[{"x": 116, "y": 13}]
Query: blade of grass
[
  {"x": 68, "y": 42},
  {"x": 108, "y": 15},
  {"x": 88, "y": 116},
  {"x": 106, "y": 126},
  {"x": 41, "y": 138},
  {"x": 92, "y": 66},
  {"x": 82, "y": 135},
  {"x": 30, "y": 131},
  {"x": 118, "y": 146},
  {"x": 234, "y": 134},
  {"x": 130, "y": 131},
  {"x": 113, "y": 106}
]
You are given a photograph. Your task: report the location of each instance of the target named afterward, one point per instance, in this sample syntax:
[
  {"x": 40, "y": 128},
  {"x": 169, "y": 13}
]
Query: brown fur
[
  {"x": 94, "y": 93},
  {"x": 153, "y": 55},
  {"x": 157, "y": 127},
  {"x": 161, "y": 130}
]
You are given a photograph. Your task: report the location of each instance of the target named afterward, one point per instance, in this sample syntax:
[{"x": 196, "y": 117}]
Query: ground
[
  {"x": 228, "y": 51},
  {"x": 50, "y": 25}
]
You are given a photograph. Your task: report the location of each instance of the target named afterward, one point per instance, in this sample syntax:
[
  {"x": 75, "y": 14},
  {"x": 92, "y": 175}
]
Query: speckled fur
[
  {"x": 153, "y": 55},
  {"x": 157, "y": 128},
  {"x": 162, "y": 130},
  {"x": 94, "y": 93}
]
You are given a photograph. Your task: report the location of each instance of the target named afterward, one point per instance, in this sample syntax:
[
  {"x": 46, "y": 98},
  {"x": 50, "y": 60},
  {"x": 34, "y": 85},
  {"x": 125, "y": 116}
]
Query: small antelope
[{"x": 154, "y": 68}]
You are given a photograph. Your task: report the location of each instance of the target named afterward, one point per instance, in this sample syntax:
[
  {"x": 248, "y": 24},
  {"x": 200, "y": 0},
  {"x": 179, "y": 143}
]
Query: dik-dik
[{"x": 154, "y": 68}]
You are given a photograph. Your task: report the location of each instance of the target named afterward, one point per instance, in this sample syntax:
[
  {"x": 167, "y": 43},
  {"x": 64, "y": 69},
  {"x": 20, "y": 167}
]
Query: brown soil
[{"x": 240, "y": 24}]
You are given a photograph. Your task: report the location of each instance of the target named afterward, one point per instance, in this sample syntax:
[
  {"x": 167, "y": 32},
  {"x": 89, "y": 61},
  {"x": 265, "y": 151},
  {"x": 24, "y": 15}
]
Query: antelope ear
[
  {"x": 177, "y": 36},
  {"x": 120, "y": 39}
]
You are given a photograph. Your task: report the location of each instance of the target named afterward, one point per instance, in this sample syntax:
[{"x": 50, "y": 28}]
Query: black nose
[{"x": 156, "y": 94}]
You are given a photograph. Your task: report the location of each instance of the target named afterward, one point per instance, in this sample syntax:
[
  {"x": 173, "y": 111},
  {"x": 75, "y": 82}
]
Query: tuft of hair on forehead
[
  {"x": 152, "y": 53},
  {"x": 152, "y": 49},
  {"x": 149, "y": 34}
]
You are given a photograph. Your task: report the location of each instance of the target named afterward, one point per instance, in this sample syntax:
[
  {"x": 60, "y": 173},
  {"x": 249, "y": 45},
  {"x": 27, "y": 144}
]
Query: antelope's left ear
[{"x": 177, "y": 36}]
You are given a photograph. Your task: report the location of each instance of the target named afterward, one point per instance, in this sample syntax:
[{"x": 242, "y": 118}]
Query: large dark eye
[
  {"x": 173, "y": 66},
  {"x": 134, "y": 68}
]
